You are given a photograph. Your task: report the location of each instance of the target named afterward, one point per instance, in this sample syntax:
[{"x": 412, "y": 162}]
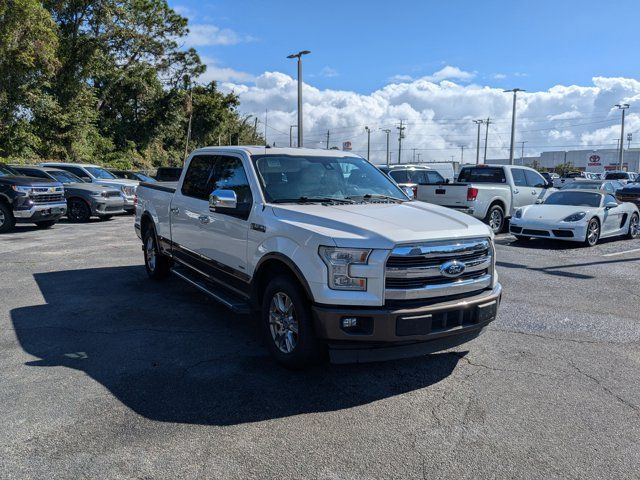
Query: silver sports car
[{"x": 578, "y": 216}]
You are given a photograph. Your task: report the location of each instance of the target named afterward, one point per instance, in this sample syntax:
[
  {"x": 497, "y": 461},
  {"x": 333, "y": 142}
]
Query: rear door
[
  {"x": 520, "y": 193},
  {"x": 536, "y": 184}
]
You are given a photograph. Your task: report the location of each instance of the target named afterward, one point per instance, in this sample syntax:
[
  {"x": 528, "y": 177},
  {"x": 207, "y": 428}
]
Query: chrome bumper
[{"x": 56, "y": 209}]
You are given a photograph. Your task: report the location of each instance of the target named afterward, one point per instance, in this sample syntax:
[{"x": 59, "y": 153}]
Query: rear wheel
[
  {"x": 78, "y": 210},
  {"x": 288, "y": 328},
  {"x": 634, "y": 227},
  {"x": 46, "y": 224},
  {"x": 156, "y": 264},
  {"x": 593, "y": 233},
  {"x": 495, "y": 218},
  {"x": 7, "y": 220}
]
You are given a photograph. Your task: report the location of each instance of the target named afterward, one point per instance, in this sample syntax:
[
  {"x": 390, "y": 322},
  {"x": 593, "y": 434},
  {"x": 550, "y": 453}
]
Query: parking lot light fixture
[{"x": 299, "y": 57}]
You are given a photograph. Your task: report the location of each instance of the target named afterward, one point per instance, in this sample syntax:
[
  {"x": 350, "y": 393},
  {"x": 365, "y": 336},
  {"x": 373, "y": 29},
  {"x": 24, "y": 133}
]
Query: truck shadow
[{"x": 168, "y": 353}]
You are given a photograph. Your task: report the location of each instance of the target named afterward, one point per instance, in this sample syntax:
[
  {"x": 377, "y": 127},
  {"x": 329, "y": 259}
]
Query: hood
[
  {"x": 382, "y": 225},
  {"x": 89, "y": 187},
  {"x": 552, "y": 212},
  {"x": 28, "y": 181},
  {"x": 116, "y": 181}
]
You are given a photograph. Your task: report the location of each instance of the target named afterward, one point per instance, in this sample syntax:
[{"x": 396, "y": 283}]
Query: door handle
[
  {"x": 175, "y": 210},
  {"x": 204, "y": 219},
  {"x": 516, "y": 191},
  {"x": 533, "y": 192}
]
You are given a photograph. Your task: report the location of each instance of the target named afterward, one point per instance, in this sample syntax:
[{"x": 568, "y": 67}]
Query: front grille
[
  {"x": 515, "y": 229},
  {"x": 112, "y": 193},
  {"x": 530, "y": 231},
  {"x": 50, "y": 198},
  {"x": 439, "y": 269}
]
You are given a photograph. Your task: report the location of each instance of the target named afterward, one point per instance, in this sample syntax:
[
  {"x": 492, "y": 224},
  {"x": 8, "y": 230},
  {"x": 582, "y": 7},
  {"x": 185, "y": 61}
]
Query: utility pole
[
  {"x": 623, "y": 107},
  {"x": 629, "y": 138},
  {"x": 327, "y": 139},
  {"x": 461, "y": 154},
  {"x": 299, "y": 57},
  {"x": 522, "y": 152},
  {"x": 414, "y": 155},
  {"x": 255, "y": 130},
  {"x": 368, "y": 143},
  {"x": 291, "y": 127},
  {"x": 487, "y": 122},
  {"x": 479, "y": 123},
  {"x": 419, "y": 157},
  {"x": 387, "y": 131},
  {"x": 513, "y": 123},
  {"x": 401, "y": 129}
]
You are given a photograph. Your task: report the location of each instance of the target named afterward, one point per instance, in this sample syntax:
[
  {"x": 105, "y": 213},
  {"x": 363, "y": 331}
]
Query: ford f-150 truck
[
  {"x": 29, "y": 200},
  {"x": 491, "y": 193},
  {"x": 326, "y": 248}
]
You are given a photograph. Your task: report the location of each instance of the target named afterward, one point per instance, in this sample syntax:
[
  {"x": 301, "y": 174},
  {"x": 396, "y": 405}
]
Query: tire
[
  {"x": 156, "y": 264},
  {"x": 104, "y": 218},
  {"x": 634, "y": 227},
  {"x": 593, "y": 233},
  {"x": 78, "y": 210},
  {"x": 7, "y": 220},
  {"x": 495, "y": 218},
  {"x": 287, "y": 324},
  {"x": 46, "y": 224}
]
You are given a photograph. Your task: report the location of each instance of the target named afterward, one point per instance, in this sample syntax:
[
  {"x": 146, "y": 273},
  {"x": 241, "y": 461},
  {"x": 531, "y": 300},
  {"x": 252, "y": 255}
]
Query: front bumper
[
  {"x": 568, "y": 231},
  {"x": 107, "y": 206},
  {"x": 385, "y": 333},
  {"x": 40, "y": 213}
]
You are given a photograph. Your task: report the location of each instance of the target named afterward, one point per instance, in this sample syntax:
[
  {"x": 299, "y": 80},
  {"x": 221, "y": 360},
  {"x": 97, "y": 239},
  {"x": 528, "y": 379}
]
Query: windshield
[
  {"x": 144, "y": 178},
  {"x": 289, "y": 178},
  {"x": 482, "y": 175},
  {"x": 7, "y": 171},
  {"x": 419, "y": 176},
  {"x": 100, "y": 173},
  {"x": 581, "y": 186},
  {"x": 578, "y": 199},
  {"x": 65, "y": 177}
]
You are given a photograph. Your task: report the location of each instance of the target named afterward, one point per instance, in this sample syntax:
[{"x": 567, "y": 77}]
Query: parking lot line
[{"x": 621, "y": 253}]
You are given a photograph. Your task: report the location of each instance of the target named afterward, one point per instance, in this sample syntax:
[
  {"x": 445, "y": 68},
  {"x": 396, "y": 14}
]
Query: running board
[{"x": 236, "y": 305}]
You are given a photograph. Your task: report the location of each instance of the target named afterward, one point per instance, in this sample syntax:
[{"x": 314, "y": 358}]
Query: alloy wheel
[
  {"x": 495, "y": 221},
  {"x": 283, "y": 324},
  {"x": 593, "y": 233},
  {"x": 2, "y": 218},
  {"x": 634, "y": 226},
  {"x": 150, "y": 254}
]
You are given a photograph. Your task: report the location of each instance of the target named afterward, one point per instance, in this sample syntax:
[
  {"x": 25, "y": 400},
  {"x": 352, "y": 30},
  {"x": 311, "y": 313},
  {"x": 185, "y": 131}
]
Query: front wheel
[
  {"x": 78, "y": 210},
  {"x": 7, "y": 220},
  {"x": 46, "y": 224},
  {"x": 495, "y": 218},
  {"x": 593, "y": 233},
  {"x": 634, "y": 227},
  {"x": 288, "y": 328}
]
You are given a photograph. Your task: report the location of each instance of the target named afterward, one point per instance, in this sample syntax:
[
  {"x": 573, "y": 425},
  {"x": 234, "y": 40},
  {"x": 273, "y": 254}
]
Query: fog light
[{"x": 349, "y": 322}]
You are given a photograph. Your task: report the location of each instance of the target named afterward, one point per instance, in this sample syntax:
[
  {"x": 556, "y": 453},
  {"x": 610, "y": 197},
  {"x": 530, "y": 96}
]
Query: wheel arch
[{"x": 273, "y": 264}]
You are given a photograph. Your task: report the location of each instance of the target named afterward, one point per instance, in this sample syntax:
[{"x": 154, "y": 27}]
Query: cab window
[
  {"x": 519, "y": 177},
  {"x": 534, "y": 179}
]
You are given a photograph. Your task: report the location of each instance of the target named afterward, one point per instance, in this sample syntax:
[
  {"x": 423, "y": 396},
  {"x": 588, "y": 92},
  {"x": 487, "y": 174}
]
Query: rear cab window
[{"x": 482, "y": 175}]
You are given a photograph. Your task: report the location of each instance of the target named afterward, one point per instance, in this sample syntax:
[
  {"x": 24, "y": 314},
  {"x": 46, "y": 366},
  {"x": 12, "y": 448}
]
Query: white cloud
[
  {"x": 401, "y": 78},
  {"x": 222, "y": 74},
  {"x": 499, "y": 76},
  {"x": 438, "y": 113},
  {"x": 328, "y": 72},
  {"x": 450, "y": 73},
  {"x": 205, "y": 34}
]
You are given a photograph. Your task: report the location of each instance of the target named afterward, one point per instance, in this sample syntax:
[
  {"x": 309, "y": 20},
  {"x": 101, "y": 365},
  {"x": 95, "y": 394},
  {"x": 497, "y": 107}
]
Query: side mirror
[
  {"x": 447, "y": 181},
  {"x": 225, "y": 199},
  {"x": 408, "y": 191},
  {"x": 610, "y": 205},
  {"x": 86, "y": 179},
  {"x": 548, "y": 185}
]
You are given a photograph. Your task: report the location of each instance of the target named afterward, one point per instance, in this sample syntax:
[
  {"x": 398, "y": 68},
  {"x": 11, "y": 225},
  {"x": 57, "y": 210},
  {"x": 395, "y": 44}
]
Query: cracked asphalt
[{"x": 104, "y": 374}]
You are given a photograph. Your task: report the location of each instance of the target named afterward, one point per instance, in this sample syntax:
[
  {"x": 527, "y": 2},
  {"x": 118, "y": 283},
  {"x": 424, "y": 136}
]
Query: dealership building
[{"x": 589, "y": 160}]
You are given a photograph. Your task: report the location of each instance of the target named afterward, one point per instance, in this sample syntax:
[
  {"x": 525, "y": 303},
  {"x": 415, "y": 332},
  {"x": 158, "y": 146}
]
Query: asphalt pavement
[{"x": 105, "y": 374}]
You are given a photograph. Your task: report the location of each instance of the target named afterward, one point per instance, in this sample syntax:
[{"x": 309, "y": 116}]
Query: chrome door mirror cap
[
  {"x": 220, "y": 198},
  {"x": 610, "y": 205},
  {"x": 408, "y": 191}
]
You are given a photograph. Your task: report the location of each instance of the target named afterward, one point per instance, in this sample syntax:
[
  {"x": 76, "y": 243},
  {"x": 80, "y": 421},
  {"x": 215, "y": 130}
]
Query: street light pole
[
  {"x": 487, "y": 122},
  {"x": 513, "y": 124},
  {"x": 368, "y": 143},
  {"x": 479, "y": 123},
  {"x": 291, "y": 127},
  {"x": 387, "y": 131},
  {"x": 522, "y": 153},
  {"x": 299, "y": 57},
  {"x": 401, "y": 129},
  {"x": 623, "y": 107}
]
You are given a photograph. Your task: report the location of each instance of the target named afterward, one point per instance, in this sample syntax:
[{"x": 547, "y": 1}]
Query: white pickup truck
[
  {"x": 326, "y": 248},
  {"x": 491, "y": 193}
]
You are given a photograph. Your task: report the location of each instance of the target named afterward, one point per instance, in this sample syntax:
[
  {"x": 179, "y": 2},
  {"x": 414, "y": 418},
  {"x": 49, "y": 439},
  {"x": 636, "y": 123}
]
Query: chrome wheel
[
  {"x": 593, "y": 232},
  {"x": 634, "y": 226},
  {"x": 495, "y": 220},
  {"x": 282, "y": 322},
  {"x": 150, "y": 253},
  {"x": 2, "y": 218}
]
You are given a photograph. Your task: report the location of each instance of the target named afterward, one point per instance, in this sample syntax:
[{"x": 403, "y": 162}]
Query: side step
[{"x": 235, "y": 304}]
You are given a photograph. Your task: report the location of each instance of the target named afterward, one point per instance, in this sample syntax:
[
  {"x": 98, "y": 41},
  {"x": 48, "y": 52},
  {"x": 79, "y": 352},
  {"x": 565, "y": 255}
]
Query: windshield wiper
[
  {"x": 314, "y": 200},
  {"x": 370, "y": 196}
]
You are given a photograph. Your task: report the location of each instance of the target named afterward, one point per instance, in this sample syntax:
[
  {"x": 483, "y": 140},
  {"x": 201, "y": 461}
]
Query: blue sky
[{"x": 360, "y": 46}]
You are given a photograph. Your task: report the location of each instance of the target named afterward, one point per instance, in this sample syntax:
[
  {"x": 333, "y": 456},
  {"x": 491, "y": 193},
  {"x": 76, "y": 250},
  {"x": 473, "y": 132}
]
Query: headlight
[
  {"x": 338, "y": 261},
  {"x": 518, "y": 213},
  {"x": 21, "y": 189},
  {"x": 575, "y": 217},
  {"x": 97, "y": 194}
]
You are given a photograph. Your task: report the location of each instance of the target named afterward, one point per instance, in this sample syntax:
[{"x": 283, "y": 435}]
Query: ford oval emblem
[{"x": 452, "y": 269}]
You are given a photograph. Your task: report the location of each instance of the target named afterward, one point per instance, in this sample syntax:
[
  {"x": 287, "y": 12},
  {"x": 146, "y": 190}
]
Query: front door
[
  {"x": 521, "y": 193},
  {"x": 612, "y": 216}
]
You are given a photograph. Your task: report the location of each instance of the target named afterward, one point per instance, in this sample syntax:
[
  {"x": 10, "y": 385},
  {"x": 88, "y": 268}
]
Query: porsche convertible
[{"x": 578, "y": 216}]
